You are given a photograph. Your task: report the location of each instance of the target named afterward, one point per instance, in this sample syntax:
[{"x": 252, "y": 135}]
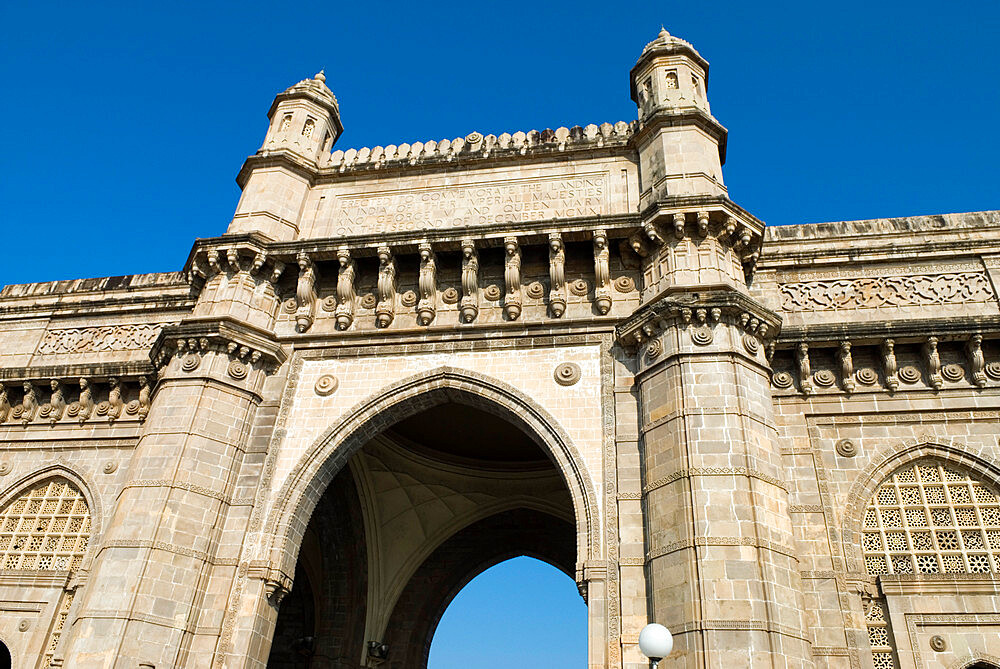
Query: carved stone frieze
[
  {"x": 99, "y": 339},
  {"x": 887, "y": 291}
]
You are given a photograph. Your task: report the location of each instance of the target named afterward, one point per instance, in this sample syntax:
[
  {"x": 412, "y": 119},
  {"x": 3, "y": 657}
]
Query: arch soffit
[
  {"x": 889, "y": 459},
  {"x": 309, "y": 478}
]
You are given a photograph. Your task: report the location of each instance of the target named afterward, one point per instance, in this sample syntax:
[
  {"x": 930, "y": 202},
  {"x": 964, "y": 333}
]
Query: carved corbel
[
  {"x": 846, "y": 367},
  {"x": 889, "y": 366},
  {"x": 427, "y": 284},
  {"x": 679, "y": 218},
  {"x": 4, "y": 403},
  {"x": 276, "y": 271},
  {"x": 602, "y": 272},
  {"x": 727, "y": 231},
  {"x": 275, "y": 591},
  {"x": 305, "y": 293},
  {"x": 702, "y": 223},
  {"x": 805, "y": 370},
  {"x": 385, "y": 310},
  {"x": 115, "y": 402},
  {"x": 469, "y": 306},
  {"x": 258, "y": 262},
  {"x": 57, "y": 403},
  {"x": 29, "y": 403},
  {"x": 145, "y": 393},
  {"x": 977, "y": 362},
  {"x": 557, "y": 275},
  {"x": 233, "y": 259},
  {"x": 86, "y": 401},
  {"x": 933, "y": 359},
  {"x": 346, "y": 295},
  {"x": 638, "y": 244},
  {"x": 652, "y": 232},
  {"x": 512, "y": 278}
]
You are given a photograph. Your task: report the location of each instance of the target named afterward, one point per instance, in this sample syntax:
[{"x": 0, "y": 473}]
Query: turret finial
[
  {"x": 320, "y": 76},
  {"x": 663, "y": 32}
]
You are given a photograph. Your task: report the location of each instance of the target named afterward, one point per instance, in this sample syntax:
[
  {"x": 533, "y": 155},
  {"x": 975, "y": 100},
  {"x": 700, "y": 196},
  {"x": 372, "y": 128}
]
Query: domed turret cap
[{"x": 314, "y": 89}]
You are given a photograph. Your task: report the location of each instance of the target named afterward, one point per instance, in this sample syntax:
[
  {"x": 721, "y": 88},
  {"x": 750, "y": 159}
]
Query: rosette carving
[
  {"x": 824, "y": 378},
  {"x": 866, "y": 376},
  {"x": 909, "y": 374},
  {"x": 567, "y": 373},
  {"x": 624, "y": 284},
  {"x": 782, "y": 380},
  {"x": 536, "y": 290},
  {"x": 953, "y": 372},
  {"x": 326, "y": 385}
]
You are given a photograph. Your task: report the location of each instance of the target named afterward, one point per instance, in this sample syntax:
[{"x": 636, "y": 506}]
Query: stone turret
[
  {"x": 304, "y": 124},
  {"x": 681, "y": 145},
  {"x": 305, "y": 119}
]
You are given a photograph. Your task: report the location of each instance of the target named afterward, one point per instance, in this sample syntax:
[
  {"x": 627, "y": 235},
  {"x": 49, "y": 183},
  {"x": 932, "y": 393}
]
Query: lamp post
[{"x": 655, "y": 642}]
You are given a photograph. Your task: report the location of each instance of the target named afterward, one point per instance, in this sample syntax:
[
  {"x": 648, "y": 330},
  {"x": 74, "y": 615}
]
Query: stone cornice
[
  {"x": 573, "y": 229},
  {"x": 96, "y": 371},
  {"x": 874, "y": 332},
  {"x": 227, "y": 334},
  {"x": 703, "y": 305}
]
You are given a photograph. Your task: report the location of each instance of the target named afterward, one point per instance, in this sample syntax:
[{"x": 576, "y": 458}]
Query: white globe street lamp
[{"x": 655, "y": 642}]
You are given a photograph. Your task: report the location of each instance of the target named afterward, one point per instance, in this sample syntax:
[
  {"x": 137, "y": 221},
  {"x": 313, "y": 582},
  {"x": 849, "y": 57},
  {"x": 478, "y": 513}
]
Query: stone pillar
[
  {"x": 160, "y": 584},
  {"x": 720, "y": 559}
]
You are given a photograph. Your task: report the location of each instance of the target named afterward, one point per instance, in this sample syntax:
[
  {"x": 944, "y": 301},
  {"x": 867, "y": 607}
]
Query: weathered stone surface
[{"x": 402, "y": 364}]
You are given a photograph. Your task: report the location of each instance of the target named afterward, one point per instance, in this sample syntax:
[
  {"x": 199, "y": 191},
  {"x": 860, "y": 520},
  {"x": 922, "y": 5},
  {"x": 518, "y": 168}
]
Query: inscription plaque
[{"x": 467, "y": 205}]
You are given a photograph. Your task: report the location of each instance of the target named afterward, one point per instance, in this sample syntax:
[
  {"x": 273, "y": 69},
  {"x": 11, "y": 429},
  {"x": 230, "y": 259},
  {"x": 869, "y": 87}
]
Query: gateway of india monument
[{"x": 402, "y": 365}]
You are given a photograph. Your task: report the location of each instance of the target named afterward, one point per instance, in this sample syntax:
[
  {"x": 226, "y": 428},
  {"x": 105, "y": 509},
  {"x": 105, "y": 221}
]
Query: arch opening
[
  {"x": 442, "y": 487},
  {"x": 522, "y": 598}
]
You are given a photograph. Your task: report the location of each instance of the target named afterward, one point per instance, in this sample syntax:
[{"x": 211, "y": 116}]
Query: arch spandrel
[{"x": 300, "y": 490}]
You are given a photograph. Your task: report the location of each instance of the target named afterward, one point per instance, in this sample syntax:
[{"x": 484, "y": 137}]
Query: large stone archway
[{"x": 495, "y": 511}]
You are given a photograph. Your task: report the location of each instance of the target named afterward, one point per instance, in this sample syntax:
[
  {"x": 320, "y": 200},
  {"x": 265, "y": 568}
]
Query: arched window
[
  {"x": 47, "y": 527},
  {"x": 307, "y": 129},
  {"x": 927, "y": 518},
  {"x": 932, "y": 519}
]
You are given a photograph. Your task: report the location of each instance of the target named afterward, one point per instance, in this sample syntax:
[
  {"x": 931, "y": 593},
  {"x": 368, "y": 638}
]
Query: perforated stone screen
[
  {"x": 48, "y": 527},
  {"x": 931, "y": 519}
]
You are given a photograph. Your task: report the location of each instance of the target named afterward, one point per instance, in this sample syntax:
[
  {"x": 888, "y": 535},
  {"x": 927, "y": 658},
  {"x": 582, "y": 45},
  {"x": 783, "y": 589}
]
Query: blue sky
[{"x": 124, "y": 126}]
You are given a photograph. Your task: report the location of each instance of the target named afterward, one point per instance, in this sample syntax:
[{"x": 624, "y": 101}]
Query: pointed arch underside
[{"x": 309, "y": 479}]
